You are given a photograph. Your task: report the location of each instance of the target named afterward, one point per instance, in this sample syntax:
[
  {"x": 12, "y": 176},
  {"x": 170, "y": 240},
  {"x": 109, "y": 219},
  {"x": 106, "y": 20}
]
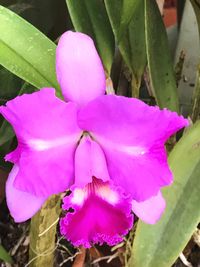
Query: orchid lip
[
  {"x": 101, "y": 213},
  {"x": 98, "y": 188}
]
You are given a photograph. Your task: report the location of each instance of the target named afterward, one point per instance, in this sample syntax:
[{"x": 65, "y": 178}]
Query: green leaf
[
  {"x": 160, "y": 65},
  {"x": 127, "y": 20},
  {"x": 4, "y": 255},
  {"x": 161, "y": 244},
  {"x": 91, "y": 18},
  {"x": 196, "y": 7},
  {"x": 25, "y": 51},
  {"x": 120, "y": 13}
]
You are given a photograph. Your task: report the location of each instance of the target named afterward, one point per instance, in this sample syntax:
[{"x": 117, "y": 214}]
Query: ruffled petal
[
  {"x": 22, "y": 205},
  {"x": 79, "y": 69},
  {"x": 151, "y": 209},
  {"x": 47, "y": 133},
  {"x": 89, "y": 161},
  {"x": 132, "y": 136},
  {"x": 101, "y": 214}
]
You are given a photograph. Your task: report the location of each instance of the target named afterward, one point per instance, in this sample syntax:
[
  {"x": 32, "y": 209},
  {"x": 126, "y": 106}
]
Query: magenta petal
[
  {"x": 22, "y": 205},
  {"x": 132, "y": 136},
  {"x": 151, "y": 209},
  {"x": 89, "y": 161},
  {"x": 101, "y": 214},
  {"x": 47, "y": 133},
  {"x": 79, "y": 69}
]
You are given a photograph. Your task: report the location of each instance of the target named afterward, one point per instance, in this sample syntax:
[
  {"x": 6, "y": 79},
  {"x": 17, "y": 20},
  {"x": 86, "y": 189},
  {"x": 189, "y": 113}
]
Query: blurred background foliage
[{"x": 145, "y": 56}]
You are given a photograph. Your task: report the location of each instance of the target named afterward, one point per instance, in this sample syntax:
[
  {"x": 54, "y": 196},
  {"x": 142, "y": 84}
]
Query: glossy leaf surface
[
  {"x": 120, "y": 14},
  {"x": 25, "y": 51},
  {"x": 160, "y": 65},
  {"x": 127, "y": 20}
]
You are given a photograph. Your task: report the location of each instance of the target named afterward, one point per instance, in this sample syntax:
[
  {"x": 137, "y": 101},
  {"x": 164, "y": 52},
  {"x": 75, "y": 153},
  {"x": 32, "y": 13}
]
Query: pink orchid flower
[{"x": 109, "y": 150}]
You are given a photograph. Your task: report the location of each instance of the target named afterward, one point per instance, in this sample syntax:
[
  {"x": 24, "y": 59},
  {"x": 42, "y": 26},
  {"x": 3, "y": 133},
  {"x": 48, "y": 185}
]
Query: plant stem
[
  {"x": 43, "y": 234},
  {"x": 196, "y": 98},
  {"x": 179, "y": 67},
  {"x": 135, "y": 87}
]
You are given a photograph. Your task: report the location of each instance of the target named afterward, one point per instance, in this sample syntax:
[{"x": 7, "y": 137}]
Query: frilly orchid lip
[
  {"x": 112, "y": 218},
  {"x": 124, "y": 147}
]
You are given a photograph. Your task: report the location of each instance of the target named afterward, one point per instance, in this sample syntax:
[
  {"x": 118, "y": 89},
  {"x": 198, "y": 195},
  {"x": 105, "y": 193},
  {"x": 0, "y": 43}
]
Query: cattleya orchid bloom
[{"x": 109, "y": 150}]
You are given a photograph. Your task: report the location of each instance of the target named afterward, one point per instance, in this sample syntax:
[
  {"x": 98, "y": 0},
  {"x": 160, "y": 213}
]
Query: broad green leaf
[
  {"x": 161, "y": 244},
  {"x": 134, "y": 38},
  {"x": 25, "y": 51},
  {"x": 127, "y": 13},
  {"x": 127, "y": 20},
  {"x": 91, "y": 18},
  {"x": 196, "y": 6},
  {"x": 120, "y": 13},
  {"x": 4, "y": 255},
  {"x": 160, "y": 65}
]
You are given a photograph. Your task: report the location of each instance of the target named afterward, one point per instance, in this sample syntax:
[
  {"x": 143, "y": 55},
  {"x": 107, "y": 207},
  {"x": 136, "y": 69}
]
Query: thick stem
[
  {"x": 179, "y": 67},
  {"x": 109, "y": 87},
  {"x": 43, "y": 234},
  {"x": 135, "y": 87},
  {"x": 196, "y": 98}
]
